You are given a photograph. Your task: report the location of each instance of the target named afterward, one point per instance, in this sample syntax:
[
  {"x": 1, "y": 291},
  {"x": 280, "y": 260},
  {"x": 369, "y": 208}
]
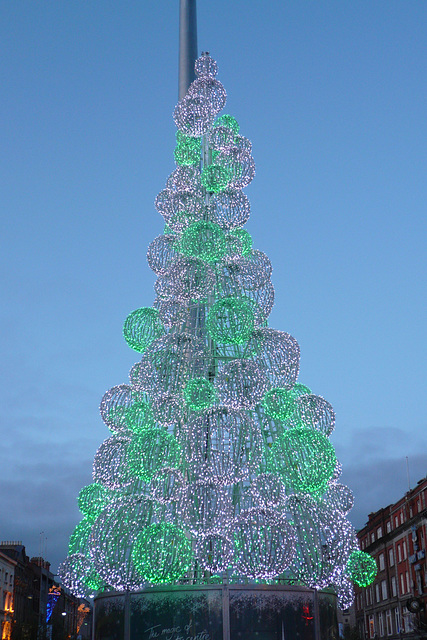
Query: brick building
[
  {"x": 395, "y": 605},
  {"x": 35, "y": 614}
]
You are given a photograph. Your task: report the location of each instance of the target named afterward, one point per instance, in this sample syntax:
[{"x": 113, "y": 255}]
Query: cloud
[{"x": 374, "y": 467}]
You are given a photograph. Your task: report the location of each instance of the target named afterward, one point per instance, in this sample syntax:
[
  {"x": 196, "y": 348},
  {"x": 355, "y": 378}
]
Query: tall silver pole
[{"x": 187, "y": 45}]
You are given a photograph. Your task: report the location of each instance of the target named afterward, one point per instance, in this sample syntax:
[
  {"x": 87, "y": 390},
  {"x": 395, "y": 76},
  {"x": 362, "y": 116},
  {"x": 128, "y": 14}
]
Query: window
[
  {"x": 397, "y": 620},
  {"x": 402, "y": 584},
  {"x": 379, "y": 532},
  {"x": 404, "y": 549},
  {"x": 381, "y": 561},
  {"x": 408, "y": 587},
  {"x": 5, "y": 577},
  {"x": 384, "y": 590},
  {"x": 393, "y": 586},
  {"x": 372, "y": 537},
  {"x": 381, "y": 624},
  {"x": 401, "y": 517},
  {"x": 371, "y": 625},
  {"x": 399, "y": 553},
  {"x": 377, "y": 592},
  {"x": 388, "y": 622},
  {"x": 388, "y": 526},
  {"x": 390, "y": 557},
  {"x": 396, "y": 522}
]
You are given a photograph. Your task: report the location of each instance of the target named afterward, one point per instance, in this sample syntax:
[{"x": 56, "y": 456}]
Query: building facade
[
  {"x": 7, "y": 583},
  {"x": 37, "y": 607},
  {"x": 394, "y": 606}
]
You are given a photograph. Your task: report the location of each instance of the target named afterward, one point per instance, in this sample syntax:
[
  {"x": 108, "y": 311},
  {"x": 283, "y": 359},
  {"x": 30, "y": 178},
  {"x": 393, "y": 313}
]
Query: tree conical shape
[{"x": 218, "y": 460}]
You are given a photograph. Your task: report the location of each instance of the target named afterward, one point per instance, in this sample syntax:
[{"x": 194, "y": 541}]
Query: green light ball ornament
[
  {"x": 305, "y": 459},
  {"x": 152, "y": 450},
  {"x": 361, "y": 568},
  {"x": 278, "y": 403},
  {"x": 245, "y": 238},
  {"x": 215, "y": 178},
  {"x": 204, "y": 240},
  {"x": 79, "y": 539},
  {"x": 162, "y": 553},
  {"x": 139, "y": 417},
  {"x": 199, "y": 394},
  {"x": 299, "y": 390},
  {"x": 187, "y": 150},
  {"x": 230, "y": 321},
  {"x": 94, "y": 582},
  {"x": 142, "y": 327},
  {"x": 184, "y": 140},
  {"x": 227, "y": 121},
  {"x": 92, "y": 500}
]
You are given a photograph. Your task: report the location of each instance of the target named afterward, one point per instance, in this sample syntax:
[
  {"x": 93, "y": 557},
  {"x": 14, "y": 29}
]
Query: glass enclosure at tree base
[{"x": 217, "y": 612}]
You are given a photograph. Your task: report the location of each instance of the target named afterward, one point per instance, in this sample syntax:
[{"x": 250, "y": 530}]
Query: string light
[
  {"x": 187, "y": 150},
  {"x": 92, "y": 500},
  {"x": 199, "y": 394},
  {"x": 73, "y": 571},
  {"x": 241, "y": 384},
  {"x": 216, "y": 177},
  {"x": 79, "y": 539},
  {"x": 229, "y": 209},
  {"x": 215, "y": 552},
  {"x": 224, "y": 446},
  {"x": 278, "y": 403},
  {"x": 204, "y": 240},
  {"x": 230, "y": 321},
  {"x": 361, "y": 568},
  {"x": 139, "y": 417},
  {"x": 244, "y": 238},
  {"x": 150, "y": 451},
  {"x": 142, "y": 327},
  {"x": 162, "y": 253},
  {"x": 219, "y": 459},
  {"x": 265, "y": 544},
  {"x": 228, "y": 121},
  {"x": 206, "y": 66},
  {"x": 162, "y": 553},
  {"x": 313, "y": 412},
  {"x": 305, "y": 459}
]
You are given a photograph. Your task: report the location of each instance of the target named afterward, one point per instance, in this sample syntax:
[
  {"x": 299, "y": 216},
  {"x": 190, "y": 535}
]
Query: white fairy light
[
  {"x": 224, "y": 446},
  {"x": 219, "y": 460},
  {"x": 114, "y": 405},
  {"x": 229, "y": 209},
  {"x": 241, "y": 384},
  {"x": 110, "y": 463},
  {"x": 162, "y": 252},
  {"x": 265, "y": 544},
  {"x": 313, "y": 412}
]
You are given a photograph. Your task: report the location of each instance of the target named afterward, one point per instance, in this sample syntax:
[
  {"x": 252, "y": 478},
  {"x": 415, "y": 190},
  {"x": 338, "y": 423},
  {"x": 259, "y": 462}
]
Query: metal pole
[{"x": 187, "y": 45}]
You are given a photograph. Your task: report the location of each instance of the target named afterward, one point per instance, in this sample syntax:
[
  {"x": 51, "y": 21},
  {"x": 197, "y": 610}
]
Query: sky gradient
[{"x": 332, "y": 96}]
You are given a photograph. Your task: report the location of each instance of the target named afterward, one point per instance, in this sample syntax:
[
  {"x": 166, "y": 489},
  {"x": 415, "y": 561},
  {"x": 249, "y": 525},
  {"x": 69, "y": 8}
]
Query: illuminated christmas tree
[{"x": 219, "y": 461}]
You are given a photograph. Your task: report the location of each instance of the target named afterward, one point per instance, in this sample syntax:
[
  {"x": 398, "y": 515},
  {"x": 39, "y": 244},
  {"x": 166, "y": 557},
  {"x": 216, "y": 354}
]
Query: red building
[{"x": 395, "y": 605}]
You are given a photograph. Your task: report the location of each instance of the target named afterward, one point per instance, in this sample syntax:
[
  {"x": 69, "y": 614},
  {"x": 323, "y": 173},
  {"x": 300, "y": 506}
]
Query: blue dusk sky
[{"x": 333, "y": 96}]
